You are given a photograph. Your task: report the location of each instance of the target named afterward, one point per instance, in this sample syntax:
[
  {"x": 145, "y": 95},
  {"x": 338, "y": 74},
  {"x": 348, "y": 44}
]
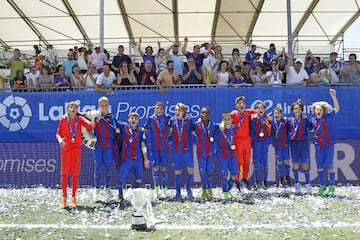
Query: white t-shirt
[
  {"x": 106, "y": 82},
  {"x": 275, "y": 78},
  {"x": 32, "y": 78},
  {"x": 294, "y": 78},
  {"x": 89, "y": 84}
]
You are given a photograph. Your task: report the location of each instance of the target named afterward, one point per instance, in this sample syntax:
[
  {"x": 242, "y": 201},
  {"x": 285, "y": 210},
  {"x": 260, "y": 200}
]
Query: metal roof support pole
[
  {"x": 102, "y": 24},
  {"x": 288, "y": 9}
]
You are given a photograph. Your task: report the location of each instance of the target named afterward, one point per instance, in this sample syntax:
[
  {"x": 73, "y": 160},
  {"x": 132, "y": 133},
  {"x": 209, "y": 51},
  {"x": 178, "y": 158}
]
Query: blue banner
[{"x": 34, "y": 117}]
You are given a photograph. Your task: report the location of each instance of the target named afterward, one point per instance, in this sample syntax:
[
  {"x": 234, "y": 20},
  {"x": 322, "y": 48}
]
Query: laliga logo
[{"x": 15, "y": 113}]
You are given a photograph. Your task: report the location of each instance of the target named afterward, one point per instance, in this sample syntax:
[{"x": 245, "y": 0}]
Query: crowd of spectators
[{"x": 89, "y": 70}]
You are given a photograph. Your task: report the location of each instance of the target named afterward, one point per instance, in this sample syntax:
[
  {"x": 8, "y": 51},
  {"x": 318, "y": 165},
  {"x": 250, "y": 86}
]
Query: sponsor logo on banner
[{"x": 15, "y": 113}]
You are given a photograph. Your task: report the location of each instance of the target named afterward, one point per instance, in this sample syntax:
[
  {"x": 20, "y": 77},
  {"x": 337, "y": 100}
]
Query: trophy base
[{"x": 138, "y": 222}]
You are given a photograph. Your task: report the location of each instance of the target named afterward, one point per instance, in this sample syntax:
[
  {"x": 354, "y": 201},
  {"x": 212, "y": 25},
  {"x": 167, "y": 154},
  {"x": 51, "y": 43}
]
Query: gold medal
[
  {"x": 211, "y": 139},
  {"x": 261, "y": 134},
  {"x": 232, "y": 147},
  {"x": 117, "y": 130},
  {"x": 72, "y": 140}
]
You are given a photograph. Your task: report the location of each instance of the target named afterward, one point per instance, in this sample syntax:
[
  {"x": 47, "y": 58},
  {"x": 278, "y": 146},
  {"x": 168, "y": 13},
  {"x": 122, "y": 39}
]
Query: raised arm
[
  {"x": 335, "y": 100},
  {"x": 183, "y": 49},
  {"x": 139, "y": 48}
]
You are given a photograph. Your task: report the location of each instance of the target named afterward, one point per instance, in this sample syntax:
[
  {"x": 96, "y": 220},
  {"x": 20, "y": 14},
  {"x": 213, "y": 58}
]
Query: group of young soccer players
[{"x": 168, "y": 139}]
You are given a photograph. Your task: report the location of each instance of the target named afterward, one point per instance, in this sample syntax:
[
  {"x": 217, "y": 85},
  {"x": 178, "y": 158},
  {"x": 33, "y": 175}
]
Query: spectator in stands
[
  {"x": 98, "y": 58},
  {"x": 222, "y": 76},
  {"x": 192, "y": 74},
  {"x": 211, "y": 63},
  {"x": 247, "y": 74},
  {"x": 52, "y": 54},
  {"x": 320, "y": 75},
  {"x": 69, "y": 63},
  {"x": 296, "y": 74},
  {"x": 89, "y": 78},
  {"x": 168, "y": 77},
  {"x": 147, "y": 55},
  {"x": 20, "y": 82},
  {"x": 126, "y": 74},
  {"x": 235, "y": 62},
  {"x": 237, "y": 80},
  {"x": 3, "y": 81},
  {"x": 45, "y": 61},
  {"x": 33, "y": 79},
  {"x": 161, "y": 60},
  {"x": 268, "y": 55},
  {"x": 251, "y": 54},
  {"x": 351, "y": 73},
  {"x": 274, "y": 76},
  {"x": 178, "y": 61},
  {"x": 46, "y": 80},
  {"x": 105, "y": 81},
  {"x": 335, "y": 66},
  {"x": 310, "y": 60},
  {"x": 256, "y": 61},
  {"x": 15, "y": 63},
  {"x": 147, "y": 76},
  {"x": 75, "y": 77},
  {"x": 259, "y": 74},
  {"x": 80, "y": 56},
  {"x": 199, "y": 57},
  {"x": 118, "y": 59},
  {"x": 61, "y": 80}
]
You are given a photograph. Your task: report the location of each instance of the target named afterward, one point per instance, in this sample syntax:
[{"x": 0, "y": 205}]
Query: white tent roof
[{"x": 68, "y": 23}]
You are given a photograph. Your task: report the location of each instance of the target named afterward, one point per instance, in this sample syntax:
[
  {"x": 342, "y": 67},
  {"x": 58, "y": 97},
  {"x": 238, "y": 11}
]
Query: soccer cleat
[
  {"x": 163, "y": 194},
  {"x": 246, "y": 183},
  {"x": 321, "y": 191},
  {"x": 265, "y": 184},
  {"x": 73, "y": 202},
  {"x": 256, "y": 185},
  {"x": 156, "y": 190},
  {"x": 209, "y": 194},
  {"x": 226, "y": 196},
  {"x": 282, "y": 181},
  {"x": 97, "y": 194},
  {"x": 178, "y": 197},
  {"x": 297, "y": 188},
  {"x": 109, "y": 195},
  {"x": 331, "y": 191},
  {"x": 230, "y": 195},
  {"x": 203, "y": 193},
  {"x": 308, "y": 189},
  {"x": 288, "y": 180},
  {"x": 63, "y": 202},
  {"x": 121, "y": 197},
  {"x": 238, "y": 186}
]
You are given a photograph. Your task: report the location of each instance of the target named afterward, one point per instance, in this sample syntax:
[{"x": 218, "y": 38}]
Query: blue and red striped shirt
[
  {"x": 158, "y": 130},
  {"x": 324, "y": 131}
]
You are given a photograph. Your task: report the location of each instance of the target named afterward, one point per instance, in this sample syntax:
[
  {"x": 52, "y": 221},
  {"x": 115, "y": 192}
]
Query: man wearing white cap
[
  {"x": 98, "y": 58},
  {"x": 296, "y": 74}
]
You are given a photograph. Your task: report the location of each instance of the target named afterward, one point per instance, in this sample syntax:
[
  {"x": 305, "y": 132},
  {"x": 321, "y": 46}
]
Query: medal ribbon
[{"x": 73, "y": 131}]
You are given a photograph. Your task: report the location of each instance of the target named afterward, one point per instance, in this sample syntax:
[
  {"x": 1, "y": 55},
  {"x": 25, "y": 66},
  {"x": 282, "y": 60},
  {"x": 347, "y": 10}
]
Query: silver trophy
[{"x": 139, "y": 200}]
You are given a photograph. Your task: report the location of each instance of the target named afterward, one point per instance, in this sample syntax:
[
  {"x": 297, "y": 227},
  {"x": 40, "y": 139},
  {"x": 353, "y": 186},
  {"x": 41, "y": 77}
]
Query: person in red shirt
[
  {"x": 242, "y": 139},
  {"x": 69, "y": 137}
]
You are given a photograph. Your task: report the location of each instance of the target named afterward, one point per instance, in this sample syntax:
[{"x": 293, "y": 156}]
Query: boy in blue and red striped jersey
[
  {"x": 299, "y": 146},
  {"x": 158, "y": 128},
  {"x": 106, "y": 132},
  {"x": 205, "y": 141},
  {"x": 226, "y": 153},
  {"x": 324, "y": 140},
  {"x": 260, "y": 132},
  {"x": 134, "y": 152},
  {"x": 280, "y": 140},
  {"x": 181, "y": 129}
]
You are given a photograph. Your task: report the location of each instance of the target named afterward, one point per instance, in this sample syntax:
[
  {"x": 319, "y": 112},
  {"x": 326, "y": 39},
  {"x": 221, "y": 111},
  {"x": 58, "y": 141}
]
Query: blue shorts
[
  {"x": 325, "y": 157},
  {"x": 282, "y": 154},
  {"x": 103, "y": 157},
  {"x": 180, "y": 158},
  {"x": 299, "y": 151},
  {"x": 226, "y": 165},
  {"x": 128, "y": 166},
  {"x": 207, "y": 164},
  {"x": 160, "y": 158},
  {"x": 260, "y": 153}
]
